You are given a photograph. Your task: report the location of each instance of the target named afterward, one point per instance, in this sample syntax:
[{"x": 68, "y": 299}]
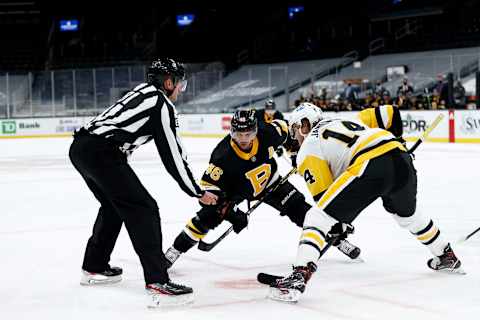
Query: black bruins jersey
[
  {"x": 245, "y": 175},
  {"x": 262, "y": 116}
]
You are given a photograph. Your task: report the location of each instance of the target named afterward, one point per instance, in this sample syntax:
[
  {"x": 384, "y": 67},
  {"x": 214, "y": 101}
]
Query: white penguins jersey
[{"x": 335, "y": 146}]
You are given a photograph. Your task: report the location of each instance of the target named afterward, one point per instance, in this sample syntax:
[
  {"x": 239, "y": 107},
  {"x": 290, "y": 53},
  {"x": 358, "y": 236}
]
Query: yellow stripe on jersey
[
  {"x": 373, "y": 119},
  {"x": 358, "y": 166},
  {"x": 341, "y": 183},
  {"x": 369, "y": 140},
  {"x": 376, "y": 152},
  {"x": 316, "y": 173},
  {"x": 368, "y": 117},
  {"x": 245, "y": 155}
]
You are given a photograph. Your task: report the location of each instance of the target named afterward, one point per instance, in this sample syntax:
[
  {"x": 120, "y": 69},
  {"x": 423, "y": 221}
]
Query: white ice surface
[{"x": 47, "y": 214}]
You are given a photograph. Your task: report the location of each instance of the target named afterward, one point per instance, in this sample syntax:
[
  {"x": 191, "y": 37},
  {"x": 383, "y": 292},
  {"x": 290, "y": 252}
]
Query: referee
[{"x": 99, "y": 152}]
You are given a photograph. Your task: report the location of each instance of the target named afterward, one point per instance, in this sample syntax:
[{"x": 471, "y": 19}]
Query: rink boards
[{"x": 457, "y": 126}]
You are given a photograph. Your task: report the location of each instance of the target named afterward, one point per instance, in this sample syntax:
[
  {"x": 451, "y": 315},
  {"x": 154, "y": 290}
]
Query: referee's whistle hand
[{"x": 209, "y": 198}]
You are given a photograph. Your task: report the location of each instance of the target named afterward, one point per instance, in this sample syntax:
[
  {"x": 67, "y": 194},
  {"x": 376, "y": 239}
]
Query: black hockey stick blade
[
  {"x": 471, "y": 234},
  {"x": 204, "y": 246},
  {"x": 268, "y": 279}
]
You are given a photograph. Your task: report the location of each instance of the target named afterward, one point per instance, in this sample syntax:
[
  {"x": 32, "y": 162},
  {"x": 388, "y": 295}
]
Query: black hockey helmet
[
  {"x": 243, "y": 120},
  {"x": 270, "y": 104},
  {"x": 162, "y": 68}
]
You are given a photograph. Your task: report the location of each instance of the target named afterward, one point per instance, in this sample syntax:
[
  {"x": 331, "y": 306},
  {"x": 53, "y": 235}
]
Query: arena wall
[{"x": 457, "y": 126}]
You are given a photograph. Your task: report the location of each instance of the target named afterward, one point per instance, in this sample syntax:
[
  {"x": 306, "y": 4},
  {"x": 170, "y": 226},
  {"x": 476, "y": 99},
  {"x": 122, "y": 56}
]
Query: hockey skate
[
  {"x": 348, "y": 249},
  {"x": 169, "y": 295},
  {"x": 290, "y": 288},
  {"x": 111, "y": 275},
  {"x": 447, "y": 262},
  {"x": 172, "y": 255}
]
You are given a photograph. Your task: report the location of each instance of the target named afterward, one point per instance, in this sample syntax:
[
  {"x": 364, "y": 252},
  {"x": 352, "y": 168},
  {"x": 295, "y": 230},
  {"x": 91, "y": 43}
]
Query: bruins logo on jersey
[{"x": 259, "y": 177}]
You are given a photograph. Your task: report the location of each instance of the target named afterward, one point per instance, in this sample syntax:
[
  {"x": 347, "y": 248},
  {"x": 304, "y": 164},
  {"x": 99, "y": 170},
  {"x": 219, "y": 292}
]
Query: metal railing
[
  {"x": 79, "y": 92},
  {"x": 89, "y": 91}
]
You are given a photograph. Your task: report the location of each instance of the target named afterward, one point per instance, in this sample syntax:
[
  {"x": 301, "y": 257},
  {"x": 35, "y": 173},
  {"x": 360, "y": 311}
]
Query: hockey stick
[
  {"x": 204, "y": 246},
  {"x": 271, "y": 279},
  {"x": 425, "y": 135},
  {"x": 470, "y": 235}
]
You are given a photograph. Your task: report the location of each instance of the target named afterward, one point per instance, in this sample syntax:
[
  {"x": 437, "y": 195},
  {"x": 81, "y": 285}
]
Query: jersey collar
[{"x": 244, "y": 155}]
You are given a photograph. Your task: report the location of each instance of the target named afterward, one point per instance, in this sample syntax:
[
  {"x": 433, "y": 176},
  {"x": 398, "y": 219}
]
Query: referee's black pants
[{"x": 123, "y": 199}]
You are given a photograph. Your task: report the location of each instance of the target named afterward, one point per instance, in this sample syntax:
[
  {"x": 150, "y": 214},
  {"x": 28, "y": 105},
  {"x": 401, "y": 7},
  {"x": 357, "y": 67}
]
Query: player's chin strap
[{"x": 204, "y": 246}]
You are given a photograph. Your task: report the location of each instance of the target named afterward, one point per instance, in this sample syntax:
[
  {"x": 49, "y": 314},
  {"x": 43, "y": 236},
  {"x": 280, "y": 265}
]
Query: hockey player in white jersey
[{"x": 346, "y": 166}]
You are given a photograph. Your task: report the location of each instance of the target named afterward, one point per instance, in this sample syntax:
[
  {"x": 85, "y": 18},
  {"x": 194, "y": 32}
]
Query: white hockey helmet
[{"x": 305, "y": 110}]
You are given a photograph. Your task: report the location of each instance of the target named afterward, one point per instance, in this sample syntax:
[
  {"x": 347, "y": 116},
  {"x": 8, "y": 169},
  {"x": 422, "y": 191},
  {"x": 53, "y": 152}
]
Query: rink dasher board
[{"x": 458, "y": 126}]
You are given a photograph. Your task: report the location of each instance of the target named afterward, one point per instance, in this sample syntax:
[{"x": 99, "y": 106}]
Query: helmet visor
[{"x": 244, "y": 135}]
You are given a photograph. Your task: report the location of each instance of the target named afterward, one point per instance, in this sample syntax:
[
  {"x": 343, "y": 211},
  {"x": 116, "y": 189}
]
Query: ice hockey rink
[{"x": 47, "y": 214}]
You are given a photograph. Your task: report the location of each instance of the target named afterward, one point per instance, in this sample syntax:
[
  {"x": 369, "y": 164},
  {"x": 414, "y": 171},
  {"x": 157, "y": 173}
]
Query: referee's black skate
[
  {"x": 447, "y": 262},
  {"x": 290, "y": 288},
  {"x": 111, "y": 275},
  {"x": 169, "y": 294}
]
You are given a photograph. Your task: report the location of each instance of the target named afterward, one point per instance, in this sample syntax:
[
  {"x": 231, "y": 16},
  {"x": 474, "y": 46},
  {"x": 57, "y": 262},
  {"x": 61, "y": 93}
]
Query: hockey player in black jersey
[
  {"x": 99, "y": 153},
  {"x": 241, "y": 167},
  {"x": 268, "y": 113}
]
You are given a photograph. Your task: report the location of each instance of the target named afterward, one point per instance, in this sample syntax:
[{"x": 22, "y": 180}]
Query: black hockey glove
[
  {"x": 340, "y": 231},
  {"x": 237, "y": 218}
]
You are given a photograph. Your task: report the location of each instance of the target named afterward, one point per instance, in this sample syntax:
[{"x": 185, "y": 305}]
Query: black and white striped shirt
[{"x": 143, "y": 114}]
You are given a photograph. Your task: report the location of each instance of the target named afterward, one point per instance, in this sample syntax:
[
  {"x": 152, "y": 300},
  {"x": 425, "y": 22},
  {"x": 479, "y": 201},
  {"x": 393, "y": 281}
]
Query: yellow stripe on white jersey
[
  {"x": 368, "y": 118},
  {"x": 316, "y": 173},
  {"x": 371, "y": 140},
  {"x": 379, "y": 117},
  {"x": 341, "y": 183},
  {"x": 336, "y": 152}
]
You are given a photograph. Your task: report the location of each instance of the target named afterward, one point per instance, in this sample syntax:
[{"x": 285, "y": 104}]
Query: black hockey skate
[
  {"x": 447, "y": 262},
  {"x": 169, "y": 294},
  {"x": 111, "y": 275},
  {"x": 289, "y": 289}
]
